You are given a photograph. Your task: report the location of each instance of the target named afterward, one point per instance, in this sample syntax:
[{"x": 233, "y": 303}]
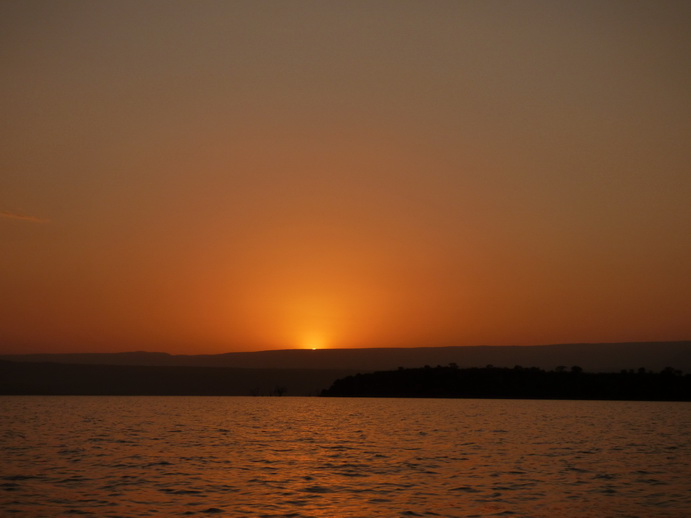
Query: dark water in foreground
[{"x": 311, "y": 457}]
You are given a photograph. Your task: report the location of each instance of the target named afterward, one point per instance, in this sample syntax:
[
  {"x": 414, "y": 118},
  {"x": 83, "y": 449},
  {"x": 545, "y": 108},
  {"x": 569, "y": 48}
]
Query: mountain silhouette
[{"x": 593, "y": 357}]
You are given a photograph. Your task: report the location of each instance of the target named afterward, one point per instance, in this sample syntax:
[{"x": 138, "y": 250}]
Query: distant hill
[
  {"x": 595, "y": 357},
  {"x": 28, "y": 378}
]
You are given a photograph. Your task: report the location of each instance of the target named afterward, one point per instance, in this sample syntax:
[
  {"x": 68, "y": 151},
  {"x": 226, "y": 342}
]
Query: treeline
[{"x": 516, "y": 383}]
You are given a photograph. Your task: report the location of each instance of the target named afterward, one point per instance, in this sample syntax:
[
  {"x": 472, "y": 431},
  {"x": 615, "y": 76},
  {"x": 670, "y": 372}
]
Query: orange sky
[{"x": 203, "y": 177}]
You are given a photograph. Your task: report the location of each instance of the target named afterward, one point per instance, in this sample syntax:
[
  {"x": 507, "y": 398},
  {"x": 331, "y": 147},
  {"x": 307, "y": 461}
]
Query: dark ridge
[
  {"x": 516, "y": 383},
  {"x": 593, "y": 357},
  {"x": 117, "y": 380}
]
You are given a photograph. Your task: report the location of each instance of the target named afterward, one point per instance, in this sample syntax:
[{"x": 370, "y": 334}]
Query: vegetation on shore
[{"x": 518, "y": 382}]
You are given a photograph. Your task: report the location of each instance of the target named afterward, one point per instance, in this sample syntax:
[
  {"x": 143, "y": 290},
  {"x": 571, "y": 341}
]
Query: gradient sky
[{"x": 213, "y": 176}]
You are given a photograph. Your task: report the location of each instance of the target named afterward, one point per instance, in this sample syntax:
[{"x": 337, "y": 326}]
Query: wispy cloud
[{"x": 22, "y": 217}]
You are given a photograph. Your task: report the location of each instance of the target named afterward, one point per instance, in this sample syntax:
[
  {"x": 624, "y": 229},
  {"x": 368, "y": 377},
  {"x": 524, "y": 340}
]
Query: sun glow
[{"x": 313, "y": 341}]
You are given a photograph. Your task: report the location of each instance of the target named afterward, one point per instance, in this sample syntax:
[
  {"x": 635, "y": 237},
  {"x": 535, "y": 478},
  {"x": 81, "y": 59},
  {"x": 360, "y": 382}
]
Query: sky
[{"x": 218, "y": 176}]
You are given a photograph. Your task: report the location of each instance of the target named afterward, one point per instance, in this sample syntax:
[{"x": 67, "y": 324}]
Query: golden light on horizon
[
  {"x": 313, "y": 341},
  {"x": 312, "y": 320}
]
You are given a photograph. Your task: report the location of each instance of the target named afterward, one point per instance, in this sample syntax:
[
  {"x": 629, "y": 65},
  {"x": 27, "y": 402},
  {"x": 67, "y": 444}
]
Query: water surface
[{"x": 313, "y": 457}]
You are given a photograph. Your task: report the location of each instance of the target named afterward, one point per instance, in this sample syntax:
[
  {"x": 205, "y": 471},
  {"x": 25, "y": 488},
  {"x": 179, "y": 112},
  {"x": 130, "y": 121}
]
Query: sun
[{"x": 313, "y": 341}]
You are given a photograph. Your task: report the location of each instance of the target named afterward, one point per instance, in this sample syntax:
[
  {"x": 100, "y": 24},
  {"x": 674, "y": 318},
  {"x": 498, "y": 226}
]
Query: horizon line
[{"x": 345, "y": 348}]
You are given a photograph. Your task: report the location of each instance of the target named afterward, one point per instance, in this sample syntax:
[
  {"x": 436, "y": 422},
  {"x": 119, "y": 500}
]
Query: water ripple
[{"x": 310, "y": 457}]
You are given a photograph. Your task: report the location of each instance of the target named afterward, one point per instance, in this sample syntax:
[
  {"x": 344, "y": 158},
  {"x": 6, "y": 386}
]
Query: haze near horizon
[{"x": 206, "y": 177}]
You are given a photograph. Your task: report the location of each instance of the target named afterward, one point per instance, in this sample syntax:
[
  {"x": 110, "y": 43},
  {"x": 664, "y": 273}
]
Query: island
[{"x": 518, "y": 382}]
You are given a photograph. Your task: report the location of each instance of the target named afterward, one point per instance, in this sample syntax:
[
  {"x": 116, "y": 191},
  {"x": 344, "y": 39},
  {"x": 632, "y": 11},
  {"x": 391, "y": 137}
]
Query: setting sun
[{"x": 313, "y": 341}]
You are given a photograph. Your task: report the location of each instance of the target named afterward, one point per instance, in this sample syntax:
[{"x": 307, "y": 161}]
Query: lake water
[{"x": 318, "y": 457}]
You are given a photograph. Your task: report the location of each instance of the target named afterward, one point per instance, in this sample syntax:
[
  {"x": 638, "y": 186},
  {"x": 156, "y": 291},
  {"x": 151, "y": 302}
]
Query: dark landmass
[
  {"x": 516, "y": 383},
  {"x": 300, "y": 372},
  {"x": 596, "y": 357},
  {"x": 119, "y": 380}
]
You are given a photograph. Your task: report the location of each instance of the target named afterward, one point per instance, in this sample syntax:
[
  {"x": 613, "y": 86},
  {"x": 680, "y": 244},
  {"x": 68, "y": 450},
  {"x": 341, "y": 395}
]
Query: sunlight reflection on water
[{"x": 313, "y": 457}]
